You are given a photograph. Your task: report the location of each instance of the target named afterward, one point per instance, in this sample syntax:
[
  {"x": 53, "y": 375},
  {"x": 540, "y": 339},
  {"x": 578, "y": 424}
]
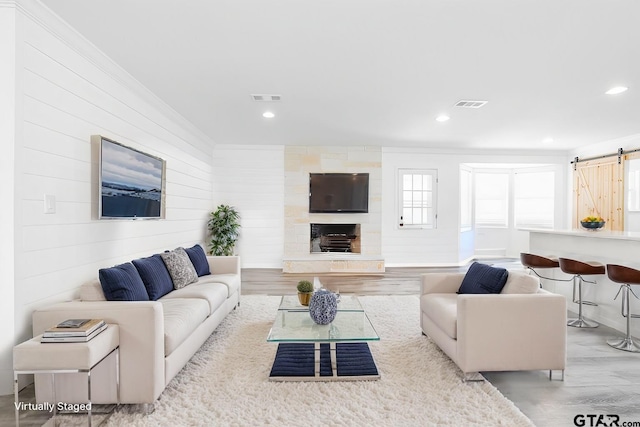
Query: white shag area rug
[{"x": 226, "y": 382}]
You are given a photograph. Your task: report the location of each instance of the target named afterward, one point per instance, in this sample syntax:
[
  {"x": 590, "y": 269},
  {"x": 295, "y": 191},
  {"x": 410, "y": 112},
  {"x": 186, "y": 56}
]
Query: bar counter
[{"x": 606, "y": 247}]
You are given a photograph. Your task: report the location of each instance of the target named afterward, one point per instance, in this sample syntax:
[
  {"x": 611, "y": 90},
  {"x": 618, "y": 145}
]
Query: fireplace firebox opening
[{"x": 343, "y": 238}]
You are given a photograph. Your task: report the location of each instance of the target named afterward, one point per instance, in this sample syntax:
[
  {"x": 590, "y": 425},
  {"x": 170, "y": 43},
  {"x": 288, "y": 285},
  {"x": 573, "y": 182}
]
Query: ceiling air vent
[
  {"x": 470, "y": 104},
  {"x": 263, "y": 97}
]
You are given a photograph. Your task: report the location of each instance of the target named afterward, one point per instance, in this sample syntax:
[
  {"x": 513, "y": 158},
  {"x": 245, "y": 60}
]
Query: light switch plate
[{"x": 49, "y": 204}]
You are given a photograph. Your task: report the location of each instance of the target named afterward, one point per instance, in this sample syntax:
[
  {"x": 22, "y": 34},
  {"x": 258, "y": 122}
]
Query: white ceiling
[{"x": 378, "y": 72}]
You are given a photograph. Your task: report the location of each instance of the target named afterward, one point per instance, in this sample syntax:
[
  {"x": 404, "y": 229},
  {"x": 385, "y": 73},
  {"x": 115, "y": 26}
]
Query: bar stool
[
  {"x": 578, "y": 269},
  {"x": 627, "y": 277},
  {"x": 532, "y": 261}
]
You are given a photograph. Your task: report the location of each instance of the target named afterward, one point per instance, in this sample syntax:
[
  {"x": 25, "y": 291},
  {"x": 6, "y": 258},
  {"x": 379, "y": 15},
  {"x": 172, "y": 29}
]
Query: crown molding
[
  {"x": 60, "y": 29},
  {"x": 461, "y": 151},
  {"x": 629, "y": 142},
  {"x": 8, "y": 4}
]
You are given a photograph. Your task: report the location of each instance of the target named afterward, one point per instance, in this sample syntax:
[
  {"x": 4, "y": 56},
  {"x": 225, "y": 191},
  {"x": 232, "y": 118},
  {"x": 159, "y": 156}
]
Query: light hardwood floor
[{"x": 598, "y": 380}]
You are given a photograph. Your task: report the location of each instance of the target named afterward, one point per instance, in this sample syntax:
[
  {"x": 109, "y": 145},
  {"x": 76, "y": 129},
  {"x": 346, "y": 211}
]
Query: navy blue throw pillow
[
  {"x": 122, "y": 283},
  {"x": 154, "y": 275},
  {"x": 483, "y": 279},
  {"x": 199, "y": 260}
]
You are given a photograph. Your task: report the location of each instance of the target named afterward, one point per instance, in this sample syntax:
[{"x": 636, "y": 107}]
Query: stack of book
[{"x": 74, "y": 330}]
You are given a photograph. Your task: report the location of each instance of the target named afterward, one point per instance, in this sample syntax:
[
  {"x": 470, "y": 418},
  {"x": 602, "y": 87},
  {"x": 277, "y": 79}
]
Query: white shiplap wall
[
  {"x": 68, "y": 92},
  {"x": 7, "y": 194},
  {"x": 412, "y": 247},
  {"x": 251, "y": 178}
]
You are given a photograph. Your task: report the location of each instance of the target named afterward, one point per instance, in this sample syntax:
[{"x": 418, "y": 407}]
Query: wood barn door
[{"x": 598, "y": 190}]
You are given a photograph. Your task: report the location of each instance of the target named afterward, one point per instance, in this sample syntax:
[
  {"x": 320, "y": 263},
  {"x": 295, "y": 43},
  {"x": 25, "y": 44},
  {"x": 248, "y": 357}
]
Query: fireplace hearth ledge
[{"x": 332, "y": 262}]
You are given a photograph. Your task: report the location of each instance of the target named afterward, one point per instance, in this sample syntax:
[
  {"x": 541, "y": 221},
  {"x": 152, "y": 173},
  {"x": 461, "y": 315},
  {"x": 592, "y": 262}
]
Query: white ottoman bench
[{"x": 34, "y": 357}]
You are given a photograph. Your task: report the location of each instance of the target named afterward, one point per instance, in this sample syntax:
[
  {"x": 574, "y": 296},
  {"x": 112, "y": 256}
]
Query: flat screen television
[
  {"x": 131, "y": 182},
  {"x": 338, "y": 192}
]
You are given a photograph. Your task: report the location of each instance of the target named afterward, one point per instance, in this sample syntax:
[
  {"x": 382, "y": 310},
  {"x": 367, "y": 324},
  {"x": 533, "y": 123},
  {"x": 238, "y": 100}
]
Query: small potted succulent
[{"x": 305, "y": 290}]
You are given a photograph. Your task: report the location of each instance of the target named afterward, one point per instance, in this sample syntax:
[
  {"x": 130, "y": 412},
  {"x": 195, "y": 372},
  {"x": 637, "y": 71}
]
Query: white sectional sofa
[
  {"x": 157, "y": 338},
  {"x": 521, "y": 328}
]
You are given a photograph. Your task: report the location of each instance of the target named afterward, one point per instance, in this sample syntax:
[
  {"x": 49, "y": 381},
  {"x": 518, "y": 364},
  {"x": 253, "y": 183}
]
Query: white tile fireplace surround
[
  {"x": 334, "y": 248},
  {"x": 365, "y": 255}
]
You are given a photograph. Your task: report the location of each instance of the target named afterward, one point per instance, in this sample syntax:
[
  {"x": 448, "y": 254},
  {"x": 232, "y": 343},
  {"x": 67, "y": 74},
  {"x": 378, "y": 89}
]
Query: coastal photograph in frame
[{"x": 131, "y": 183}]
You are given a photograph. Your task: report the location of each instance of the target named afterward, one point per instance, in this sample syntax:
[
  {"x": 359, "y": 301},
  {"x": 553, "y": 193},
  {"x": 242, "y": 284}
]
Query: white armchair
[{"x": 510, "y": 331}]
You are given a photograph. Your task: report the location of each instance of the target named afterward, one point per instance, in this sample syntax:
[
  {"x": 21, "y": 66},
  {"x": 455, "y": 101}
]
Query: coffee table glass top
[
  {"x": 347, "y": 303},
  {"x": 297, "y": 326}
]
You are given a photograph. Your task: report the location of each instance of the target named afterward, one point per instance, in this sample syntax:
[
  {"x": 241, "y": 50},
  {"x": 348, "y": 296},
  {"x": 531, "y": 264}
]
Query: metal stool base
[
  {"x": 625, "y": 344},
  {"x": 582, "y": 323}
]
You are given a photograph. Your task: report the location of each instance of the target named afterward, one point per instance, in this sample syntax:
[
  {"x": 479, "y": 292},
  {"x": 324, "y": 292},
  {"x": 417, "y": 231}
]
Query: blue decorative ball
[{"x": 323, "y": 307}]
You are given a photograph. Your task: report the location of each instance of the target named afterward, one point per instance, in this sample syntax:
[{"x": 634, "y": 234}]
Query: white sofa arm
[
  {"x": 224, "y": 264},
  {"x": 511, "y": 332},
  {"x": 141, "y": 328},
  {"x": 441, "y": 283}
]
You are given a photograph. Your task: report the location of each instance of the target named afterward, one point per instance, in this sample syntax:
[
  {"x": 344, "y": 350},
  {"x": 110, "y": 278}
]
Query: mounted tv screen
[
  {"x": 339, "y": 192},
  {"x": 131, "y": 183}
]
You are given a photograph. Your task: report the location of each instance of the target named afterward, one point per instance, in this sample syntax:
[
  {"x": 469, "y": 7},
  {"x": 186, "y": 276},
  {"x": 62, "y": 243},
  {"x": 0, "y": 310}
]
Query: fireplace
[{"x": 343, "y": 238}]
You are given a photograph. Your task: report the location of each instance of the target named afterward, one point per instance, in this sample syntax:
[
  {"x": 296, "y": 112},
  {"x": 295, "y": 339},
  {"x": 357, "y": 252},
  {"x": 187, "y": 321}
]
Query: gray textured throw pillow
[{"x": 180, "y": 267}]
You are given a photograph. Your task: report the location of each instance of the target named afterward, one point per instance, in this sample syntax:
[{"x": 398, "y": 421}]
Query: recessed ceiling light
[
  {"x": 616, "y": 90},
  {"x": 442, "y": 118},
  {"x": 547, "y": 140},
  {"x": 268, "y": 115}
]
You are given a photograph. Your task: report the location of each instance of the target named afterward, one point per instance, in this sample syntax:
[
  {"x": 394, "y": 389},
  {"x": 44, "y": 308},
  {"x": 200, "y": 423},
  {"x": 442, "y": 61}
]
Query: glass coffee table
[
  {"x": 311, "y": 352},
  {"x": 347, "y": 303}
]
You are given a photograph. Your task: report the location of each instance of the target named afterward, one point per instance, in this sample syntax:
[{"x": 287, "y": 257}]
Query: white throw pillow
[
  {"x": 521, "y": 283},
  {"x": 92, "y": 291}
]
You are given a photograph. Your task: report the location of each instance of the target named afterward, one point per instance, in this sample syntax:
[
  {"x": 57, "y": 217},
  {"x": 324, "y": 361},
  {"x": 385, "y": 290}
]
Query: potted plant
[
  {"x": 224, "y": 227},
  {"x": 305, "y": 290}
]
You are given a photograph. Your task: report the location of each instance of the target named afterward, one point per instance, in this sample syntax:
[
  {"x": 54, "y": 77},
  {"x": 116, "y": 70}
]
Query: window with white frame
[
  {"x": 466, "y": 199},
  {"x": 417, "y": 197},
  {"x": 534, "y": 194},
  {"x": 491, "y": 199}
]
